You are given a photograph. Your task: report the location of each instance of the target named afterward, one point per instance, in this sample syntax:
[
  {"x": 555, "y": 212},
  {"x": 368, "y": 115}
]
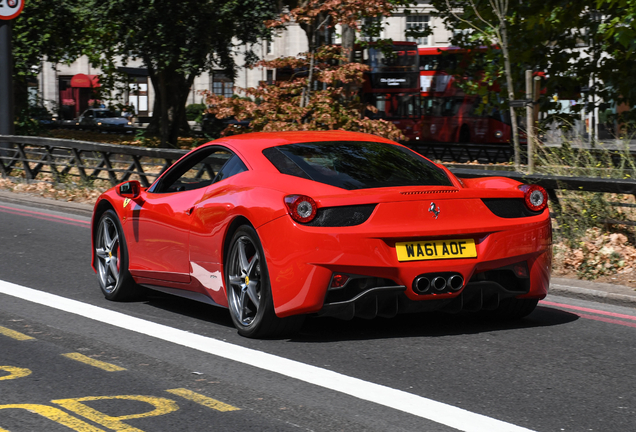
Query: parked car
[
  {"x": 213, "y": 127},
  {"x": 103, "y": 118},
  {"x": 278, "y": 225},
  {"x": 43, "y": 117}
]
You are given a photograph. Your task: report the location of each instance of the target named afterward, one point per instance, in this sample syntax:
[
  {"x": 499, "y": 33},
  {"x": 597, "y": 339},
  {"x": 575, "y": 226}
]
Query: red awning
[{"x": 85, "y": 81}]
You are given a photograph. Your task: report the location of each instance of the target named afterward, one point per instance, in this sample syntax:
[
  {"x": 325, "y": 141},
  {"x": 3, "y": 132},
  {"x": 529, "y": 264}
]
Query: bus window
[
  {"x": 388, "y": 61},
  {"x": 450, "y": 106},
  {"x": 429, "y": 62},
  {"x": 394, "y": 106}
]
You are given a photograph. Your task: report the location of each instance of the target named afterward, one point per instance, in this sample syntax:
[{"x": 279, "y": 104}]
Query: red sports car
[{"x": 275, "y": 226}]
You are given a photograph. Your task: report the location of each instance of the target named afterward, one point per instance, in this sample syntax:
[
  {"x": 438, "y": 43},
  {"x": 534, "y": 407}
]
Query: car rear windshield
[{"x": 356, "y": 165}]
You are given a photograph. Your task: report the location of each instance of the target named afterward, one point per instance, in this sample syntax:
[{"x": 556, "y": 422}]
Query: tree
[
  {"x": 487, "y": 23},
  {"x": 177, "y": 40},
  {"x": 334, "y": 103},
  {"x": 324, "y": 91},
  {"x": 585, "y": 50},
  {"x": 45, "y": 30}
]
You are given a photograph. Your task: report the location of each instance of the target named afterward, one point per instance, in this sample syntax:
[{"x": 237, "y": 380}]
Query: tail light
[
  {"x": 535, "y": 197},
  {"x": 301, "y": 208}
]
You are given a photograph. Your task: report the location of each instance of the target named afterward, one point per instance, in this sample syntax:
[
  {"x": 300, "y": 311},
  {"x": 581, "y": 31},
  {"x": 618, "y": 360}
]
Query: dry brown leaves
[
  {"x": 46, "y": 189},
  {"x": 598, "y": 254}
]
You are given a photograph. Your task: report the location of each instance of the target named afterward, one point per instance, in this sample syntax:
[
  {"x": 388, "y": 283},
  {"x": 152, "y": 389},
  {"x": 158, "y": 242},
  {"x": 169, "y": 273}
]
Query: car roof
[
  {"x": 250, "y": 146},
  {"x": 258, "y": 141}
]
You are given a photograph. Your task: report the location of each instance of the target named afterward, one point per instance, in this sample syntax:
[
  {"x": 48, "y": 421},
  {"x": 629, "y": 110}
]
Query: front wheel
[
  {"x": 249, "y": 293},
  {"x": 112, "y": 259}
]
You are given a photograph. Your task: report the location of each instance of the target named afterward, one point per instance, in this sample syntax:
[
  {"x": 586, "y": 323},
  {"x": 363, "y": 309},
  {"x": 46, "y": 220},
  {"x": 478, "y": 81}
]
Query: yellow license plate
[{"x": 436, "y": 249}]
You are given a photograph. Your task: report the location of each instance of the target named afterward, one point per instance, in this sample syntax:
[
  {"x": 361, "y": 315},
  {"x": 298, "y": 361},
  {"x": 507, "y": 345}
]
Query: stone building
[{"x": 70, "y": 88}]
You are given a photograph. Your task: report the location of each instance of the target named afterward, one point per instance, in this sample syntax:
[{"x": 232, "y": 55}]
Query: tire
[
  {"x": 249, "y": 294},
  {"x": 512, "y": 309},
  {"x": 111, "y": 256}
]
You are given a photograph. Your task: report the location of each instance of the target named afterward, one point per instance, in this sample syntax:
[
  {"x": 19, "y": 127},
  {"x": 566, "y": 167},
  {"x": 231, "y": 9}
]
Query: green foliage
[
  {"x": 576, "y": 45},
  {"x": 26, "y": 123},
  {"x": 194, "y": 112},
  {"x": 580, "y": 211},
  {"x": 176, "y": 40},
  {"x": 46, "y": 30}
]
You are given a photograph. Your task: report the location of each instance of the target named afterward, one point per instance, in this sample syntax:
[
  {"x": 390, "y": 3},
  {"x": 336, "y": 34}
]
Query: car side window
[
  {"x": 198, "y": 170},
  {"x": 233, "y": 166}
]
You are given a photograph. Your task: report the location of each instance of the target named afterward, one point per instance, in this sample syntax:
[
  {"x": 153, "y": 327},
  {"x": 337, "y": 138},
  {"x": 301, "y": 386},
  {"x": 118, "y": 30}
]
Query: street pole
[
  {"x": 529, "y": 121},
  {"x": 6, "y": 79}
]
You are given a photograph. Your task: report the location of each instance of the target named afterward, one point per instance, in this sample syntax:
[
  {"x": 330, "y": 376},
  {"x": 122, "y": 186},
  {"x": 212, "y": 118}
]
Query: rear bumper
[
  {"x": 389, "y": 301},
  {"x": 301, "y": 261}
]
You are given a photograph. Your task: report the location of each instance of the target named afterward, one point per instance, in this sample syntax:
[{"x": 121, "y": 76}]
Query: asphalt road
[{"x": 167, "y": 364}]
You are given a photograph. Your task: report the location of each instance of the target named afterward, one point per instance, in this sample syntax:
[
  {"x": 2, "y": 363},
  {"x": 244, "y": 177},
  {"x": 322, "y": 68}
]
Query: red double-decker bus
[
  {"x": 448, "y": 113},
  {"x": 392, "y": 84}
]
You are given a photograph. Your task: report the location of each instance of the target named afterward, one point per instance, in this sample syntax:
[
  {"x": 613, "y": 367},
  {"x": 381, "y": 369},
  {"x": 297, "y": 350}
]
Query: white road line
[{"x": 400, "y": 400}]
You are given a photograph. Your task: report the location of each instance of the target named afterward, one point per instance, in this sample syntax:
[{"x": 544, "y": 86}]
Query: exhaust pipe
[
  {"x": 421, "y": 285},
  {"x": 455, "y": 282},
  {"x": 439, "y": 283}
]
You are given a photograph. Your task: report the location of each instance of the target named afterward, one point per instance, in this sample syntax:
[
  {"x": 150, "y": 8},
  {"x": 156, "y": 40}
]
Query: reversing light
[
  {"x": 301, "y": 208},
  {"x": 338, "y": 280},
  {"x": 521, "y": 269},
  {"x": 535, "y": 197}
]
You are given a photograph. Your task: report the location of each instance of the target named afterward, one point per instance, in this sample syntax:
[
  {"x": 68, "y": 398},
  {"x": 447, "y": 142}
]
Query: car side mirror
[{"x": 131, "y": 189}]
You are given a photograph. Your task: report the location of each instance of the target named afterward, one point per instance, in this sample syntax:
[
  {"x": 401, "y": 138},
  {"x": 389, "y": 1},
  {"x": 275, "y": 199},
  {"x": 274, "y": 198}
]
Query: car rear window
[{"x": 356, "y": 165}]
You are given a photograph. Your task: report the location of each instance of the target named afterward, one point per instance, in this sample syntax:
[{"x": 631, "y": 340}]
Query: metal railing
[
  {"x": 59, "y": 158},
  {"x": 551, "y": 183}
]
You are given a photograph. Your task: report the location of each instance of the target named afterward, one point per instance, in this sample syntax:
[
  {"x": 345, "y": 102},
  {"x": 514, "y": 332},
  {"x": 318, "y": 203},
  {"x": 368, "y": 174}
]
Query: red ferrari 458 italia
[{"x": 276, "y": 226}]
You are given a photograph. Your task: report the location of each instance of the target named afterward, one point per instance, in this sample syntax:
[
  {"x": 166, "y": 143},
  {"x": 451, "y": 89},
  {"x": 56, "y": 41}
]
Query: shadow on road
[{"x": 431, "y": 324}]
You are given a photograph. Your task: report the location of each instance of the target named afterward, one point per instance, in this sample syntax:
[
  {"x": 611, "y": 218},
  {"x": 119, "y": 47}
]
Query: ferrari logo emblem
[
  {"x": 434, "y": 209},
  {"x": 126, "y": 201}
]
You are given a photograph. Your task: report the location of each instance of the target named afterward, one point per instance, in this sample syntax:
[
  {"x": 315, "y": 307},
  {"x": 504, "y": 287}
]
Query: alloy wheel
[
  {"x": 245, "y": 285},
  {"x": 107, "y": 250}
]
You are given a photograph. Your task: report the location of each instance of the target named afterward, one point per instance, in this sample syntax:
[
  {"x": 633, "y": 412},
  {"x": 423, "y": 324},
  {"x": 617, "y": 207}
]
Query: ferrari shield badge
[
  {"x": 126, "y": 201},
  {"x": 434, "y": 209}
]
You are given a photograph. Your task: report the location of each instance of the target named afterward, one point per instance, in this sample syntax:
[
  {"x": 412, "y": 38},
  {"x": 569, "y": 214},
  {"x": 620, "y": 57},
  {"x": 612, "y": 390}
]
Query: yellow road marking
[
  {"x": 161, "y": 406},
  {"x": 14, "y": 372},
  {"x": 108, "y": 367},
  {"x": 203, "y": 400},
  {"x": 55, "y": 415},
  {"x": 14, "y": 334}
]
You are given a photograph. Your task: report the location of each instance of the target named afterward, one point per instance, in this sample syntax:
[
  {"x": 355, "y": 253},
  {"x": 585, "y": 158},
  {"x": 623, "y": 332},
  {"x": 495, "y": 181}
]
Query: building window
[
  {"x": 222, "y": 85},
  {"x": 417, "y": 22},
  {"x": 138, "y": 94}
]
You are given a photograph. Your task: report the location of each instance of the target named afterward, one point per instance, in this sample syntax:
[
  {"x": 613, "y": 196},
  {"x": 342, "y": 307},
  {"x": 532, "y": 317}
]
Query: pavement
[{"x": 619, "y": 295}]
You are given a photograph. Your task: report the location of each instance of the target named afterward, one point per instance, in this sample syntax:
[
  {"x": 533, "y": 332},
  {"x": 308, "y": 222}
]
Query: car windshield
[
  {"x": 105, "y": 114},
  {"x": 356, "y": 165}
]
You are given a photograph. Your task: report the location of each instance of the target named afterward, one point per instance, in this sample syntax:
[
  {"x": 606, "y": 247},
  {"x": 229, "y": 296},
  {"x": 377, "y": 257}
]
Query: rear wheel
[
  {"x": 513, "y": 308},
  {"x": 249, "y": 293},
  {"x": 112, "y": 260}
]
